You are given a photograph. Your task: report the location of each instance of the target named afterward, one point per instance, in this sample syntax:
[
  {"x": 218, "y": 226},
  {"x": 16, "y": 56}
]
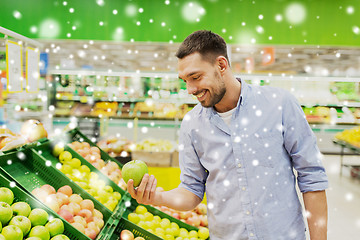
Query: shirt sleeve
[
  {"x": 300, "y": 143},
  {"x": 193, "y": 174}
]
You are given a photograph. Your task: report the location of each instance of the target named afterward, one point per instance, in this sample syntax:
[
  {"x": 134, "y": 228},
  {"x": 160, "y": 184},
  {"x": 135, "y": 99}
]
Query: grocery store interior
[{"x": 98, "y": 80}]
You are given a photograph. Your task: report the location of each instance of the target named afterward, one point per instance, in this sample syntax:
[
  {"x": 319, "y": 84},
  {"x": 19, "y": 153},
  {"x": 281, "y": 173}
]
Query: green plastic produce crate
[
  {"x": 30, "y": 170},
  {"x": 45, "y": 150},
  {"x": 136, "y": 230},
  {"x": 22, "y": 196}
]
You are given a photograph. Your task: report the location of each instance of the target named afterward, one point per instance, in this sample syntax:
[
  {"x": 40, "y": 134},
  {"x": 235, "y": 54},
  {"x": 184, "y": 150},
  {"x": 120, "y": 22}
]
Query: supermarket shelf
[
  {"x": 168, "y": 75},
  {"x": 134, "y": 100}
]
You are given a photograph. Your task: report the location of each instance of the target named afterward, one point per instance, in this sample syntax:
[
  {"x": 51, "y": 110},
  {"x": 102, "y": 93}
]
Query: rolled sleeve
[
  {"x": 300, "y": 143},
  {"x": 193, "y": 174}
]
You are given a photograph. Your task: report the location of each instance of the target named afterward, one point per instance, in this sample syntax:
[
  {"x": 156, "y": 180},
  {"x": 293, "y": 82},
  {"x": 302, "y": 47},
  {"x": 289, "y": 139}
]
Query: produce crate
[
  {"x": 153, "y": 159},
  {"x": 131, "y": 204},
  {"x": 30, "y": 170},
  {"x": 21, "y": 196},
  {"x": 136, "y": 230},
  {"x": 45, "y": 150}
]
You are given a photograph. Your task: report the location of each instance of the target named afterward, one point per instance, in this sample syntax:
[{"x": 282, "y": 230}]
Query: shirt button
[
  {"x": 243, "y": 188},
  {"x": 247, "y": 212},
  {"x": 239, "y": 165},
  {"x": 251, "y": 234}
]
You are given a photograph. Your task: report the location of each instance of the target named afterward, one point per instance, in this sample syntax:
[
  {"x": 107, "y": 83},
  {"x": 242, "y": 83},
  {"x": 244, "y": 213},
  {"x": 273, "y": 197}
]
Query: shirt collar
[{"x": 243, "y": 94}]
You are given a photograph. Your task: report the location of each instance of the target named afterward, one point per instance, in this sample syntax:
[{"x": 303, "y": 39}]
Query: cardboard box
[{"x": 153, "y": 159}]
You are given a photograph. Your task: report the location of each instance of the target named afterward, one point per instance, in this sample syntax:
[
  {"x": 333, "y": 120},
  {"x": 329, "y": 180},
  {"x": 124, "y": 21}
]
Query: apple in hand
[
  {"x": 12, "y": 232},
  {"x": 38, "y": 216},
  {"x": 6, "y": 195},
  {"x": 40, "y": 232},
  {"x": 22, "y": 222},
  {"x": 21, "y": 209},
  {"x": 60, "y": 237},
  {"x": 55, "y": 227},
  {"x": 6, "y": 213},
  {"x": 135, "y": 170}
]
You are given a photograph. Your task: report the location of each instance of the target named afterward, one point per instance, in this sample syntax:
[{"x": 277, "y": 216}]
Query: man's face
[{"x": 202, "y": 78}]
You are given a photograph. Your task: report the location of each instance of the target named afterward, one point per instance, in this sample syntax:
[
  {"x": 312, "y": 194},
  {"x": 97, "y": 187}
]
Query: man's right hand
[{"x": 145, "y": 193}]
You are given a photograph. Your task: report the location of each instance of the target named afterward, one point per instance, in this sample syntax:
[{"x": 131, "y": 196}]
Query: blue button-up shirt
[{"x": 246, "y": 168}]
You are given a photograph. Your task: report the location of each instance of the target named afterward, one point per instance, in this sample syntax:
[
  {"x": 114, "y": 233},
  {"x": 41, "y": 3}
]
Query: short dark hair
[{"x": 210, "y": 45}]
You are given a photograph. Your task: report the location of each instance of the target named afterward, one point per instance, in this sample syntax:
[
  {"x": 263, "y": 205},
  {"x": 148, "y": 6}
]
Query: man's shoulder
[{"x": 193, "y": 115}]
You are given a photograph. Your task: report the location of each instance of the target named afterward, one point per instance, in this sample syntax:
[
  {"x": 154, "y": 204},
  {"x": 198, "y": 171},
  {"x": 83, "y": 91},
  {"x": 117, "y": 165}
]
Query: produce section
[{"x": 55, "y": 174}]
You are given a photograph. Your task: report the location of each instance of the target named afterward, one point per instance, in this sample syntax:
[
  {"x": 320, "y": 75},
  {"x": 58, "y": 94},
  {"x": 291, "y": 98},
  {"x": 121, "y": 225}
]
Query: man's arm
[
  {"x": 316, "y": 207},
  {"x": 178, "y": 198}
]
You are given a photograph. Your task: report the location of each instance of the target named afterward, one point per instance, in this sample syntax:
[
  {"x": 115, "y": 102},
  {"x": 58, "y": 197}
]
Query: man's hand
[{"x": 145, "y": 193}]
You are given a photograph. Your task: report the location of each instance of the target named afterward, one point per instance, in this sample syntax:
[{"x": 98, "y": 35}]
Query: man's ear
[{"x": 222, "y": 63}]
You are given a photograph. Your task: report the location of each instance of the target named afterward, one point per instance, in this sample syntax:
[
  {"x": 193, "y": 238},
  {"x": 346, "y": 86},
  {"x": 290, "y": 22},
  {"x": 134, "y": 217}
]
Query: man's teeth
[{"x": 200, "y": 95}]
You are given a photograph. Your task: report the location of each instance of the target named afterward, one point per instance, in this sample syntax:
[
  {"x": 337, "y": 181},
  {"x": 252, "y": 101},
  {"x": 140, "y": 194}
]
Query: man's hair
[{"x": 210, "y": 45}]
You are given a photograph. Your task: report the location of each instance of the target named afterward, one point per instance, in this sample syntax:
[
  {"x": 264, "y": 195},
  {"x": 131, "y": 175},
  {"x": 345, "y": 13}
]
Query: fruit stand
[{"x": 78, "y": 183}]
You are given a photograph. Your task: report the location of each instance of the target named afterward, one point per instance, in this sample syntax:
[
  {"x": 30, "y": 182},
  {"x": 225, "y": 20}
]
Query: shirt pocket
[{"x": 263, "y": 149}]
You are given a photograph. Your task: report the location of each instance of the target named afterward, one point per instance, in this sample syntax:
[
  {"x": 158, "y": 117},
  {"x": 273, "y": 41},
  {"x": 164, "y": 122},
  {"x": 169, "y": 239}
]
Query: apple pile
[
  {"x": 73, "y": 208},
  {"x": 18, "y": 221},
  {"x": 127, "y": 235},
  {"x": 93, "y": 156},
  {"x": 196, "y": 217},
  {"x": 163, "y": 227},
  {"x": 89, "y": 181}
]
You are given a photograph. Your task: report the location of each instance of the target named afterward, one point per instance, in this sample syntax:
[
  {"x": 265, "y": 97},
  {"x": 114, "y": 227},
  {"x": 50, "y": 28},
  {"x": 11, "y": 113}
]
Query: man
[{"x": 240, "y": 145}]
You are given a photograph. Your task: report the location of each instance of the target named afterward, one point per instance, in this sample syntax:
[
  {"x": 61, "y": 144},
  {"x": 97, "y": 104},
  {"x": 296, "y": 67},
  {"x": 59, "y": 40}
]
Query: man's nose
[{"x": 191, "y": 88}]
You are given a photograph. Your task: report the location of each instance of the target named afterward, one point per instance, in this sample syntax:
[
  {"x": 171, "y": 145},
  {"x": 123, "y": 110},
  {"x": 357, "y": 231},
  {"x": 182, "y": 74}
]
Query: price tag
[
  {"x": 32, "y": 70},
  {"x": 14, "y": 66}
]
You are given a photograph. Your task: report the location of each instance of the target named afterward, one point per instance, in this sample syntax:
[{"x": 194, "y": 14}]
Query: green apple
[
  {"x": 33, "y": 238},
  {"x": 6, "y": 213},
  {"x": 60, "y": 237},
  {"x": 55, "y": 227},
  {"x": 203, "y": 232},
  {"x": 22, "y": 222},
  {"x": 6, "y": 195},
  {"x": 38, "y": 217},
  {"x": 134, "y": 170},
  {"x": 21, "y": 209},
  {"x": 2, "y": 237},
  {"x": 59, "y": 148},
  {"x": 40, "y": 232},
  {"x": 12, "y": 232}
]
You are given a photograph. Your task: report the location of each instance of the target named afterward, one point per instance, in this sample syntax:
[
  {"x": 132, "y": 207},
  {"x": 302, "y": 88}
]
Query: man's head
[{"x": 208, "y": 44}]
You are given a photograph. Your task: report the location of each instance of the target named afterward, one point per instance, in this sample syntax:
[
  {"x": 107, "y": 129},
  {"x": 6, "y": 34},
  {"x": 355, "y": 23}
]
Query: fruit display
[
  {"x": 155, "y": 145},
  {"x": 317, "y": 114},
  {"x": 104, "y": 109},
  {"x": 116, "y": 146},
  {"x": 196, "y": 217},
  {"x": 79, "y": 212},
  {"x": 31, "y": 130},
  {"x": 163, "y": 227},
  {"x": 82, "y": 175},
  {"x": 351, "y": 136},
  {"x": 18, "y": 221},
  {"x": 93, "y": 156},
  {"x": 134, "y": 170}
]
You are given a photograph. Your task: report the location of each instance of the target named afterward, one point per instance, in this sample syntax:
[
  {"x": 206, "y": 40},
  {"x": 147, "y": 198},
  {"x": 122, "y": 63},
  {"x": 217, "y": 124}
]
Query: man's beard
[{"x": 218, "y": 93}]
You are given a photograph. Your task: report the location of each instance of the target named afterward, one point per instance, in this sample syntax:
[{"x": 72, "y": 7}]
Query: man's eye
[{"x": 197, "y": 77}]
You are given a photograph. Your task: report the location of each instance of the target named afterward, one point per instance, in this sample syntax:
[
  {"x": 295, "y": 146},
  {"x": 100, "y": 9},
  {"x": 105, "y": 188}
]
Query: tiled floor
[{"x": 343, "y": 198}]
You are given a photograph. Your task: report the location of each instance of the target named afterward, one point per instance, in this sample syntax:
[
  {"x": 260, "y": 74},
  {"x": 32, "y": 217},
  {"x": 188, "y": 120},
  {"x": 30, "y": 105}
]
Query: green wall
[{"x": 308, "y": 22}]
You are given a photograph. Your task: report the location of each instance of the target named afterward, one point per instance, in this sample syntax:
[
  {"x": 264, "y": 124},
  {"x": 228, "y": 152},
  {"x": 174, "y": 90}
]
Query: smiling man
[{"x": 240, "y": 145}]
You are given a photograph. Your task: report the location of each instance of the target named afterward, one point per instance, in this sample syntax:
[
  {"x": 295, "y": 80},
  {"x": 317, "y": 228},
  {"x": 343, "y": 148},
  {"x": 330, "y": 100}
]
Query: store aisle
[{"x": 343, "y": 199}]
